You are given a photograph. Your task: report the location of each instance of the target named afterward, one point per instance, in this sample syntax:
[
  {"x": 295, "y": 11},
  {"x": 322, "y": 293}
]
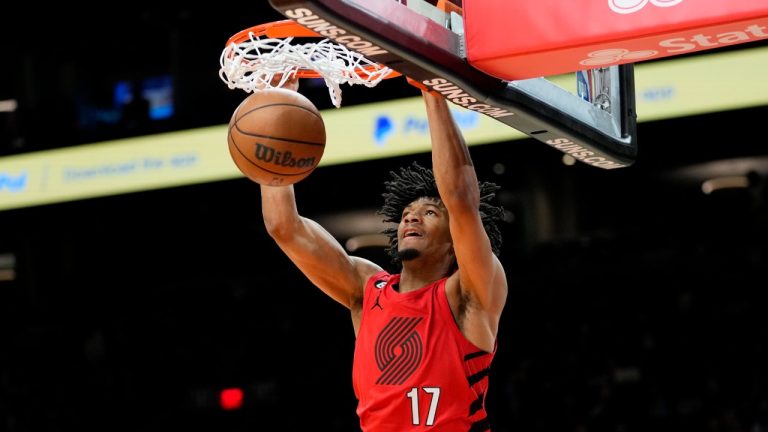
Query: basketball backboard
[{"x": 433, "y": 53}]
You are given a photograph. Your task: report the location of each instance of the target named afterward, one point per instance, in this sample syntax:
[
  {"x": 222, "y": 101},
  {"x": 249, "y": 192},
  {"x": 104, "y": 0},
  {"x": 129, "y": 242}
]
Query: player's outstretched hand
[{"x": 291, "y": 83}]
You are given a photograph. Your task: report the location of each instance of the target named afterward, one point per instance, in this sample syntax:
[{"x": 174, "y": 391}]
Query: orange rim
[
  {"x": 276, "y": 29},
  {"x": 289, "y": 28}
]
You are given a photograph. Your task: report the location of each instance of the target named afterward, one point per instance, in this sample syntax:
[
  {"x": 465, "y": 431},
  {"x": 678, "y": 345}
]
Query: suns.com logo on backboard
[{"x": 632, "y": 6}]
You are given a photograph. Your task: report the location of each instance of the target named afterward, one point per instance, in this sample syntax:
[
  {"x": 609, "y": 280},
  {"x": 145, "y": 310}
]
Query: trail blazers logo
[{"x": 399, "y": 350}]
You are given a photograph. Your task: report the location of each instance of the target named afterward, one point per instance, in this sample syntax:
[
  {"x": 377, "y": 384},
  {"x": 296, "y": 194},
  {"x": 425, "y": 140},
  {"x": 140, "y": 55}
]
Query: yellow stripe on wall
[{"x": 673, "y": 88}]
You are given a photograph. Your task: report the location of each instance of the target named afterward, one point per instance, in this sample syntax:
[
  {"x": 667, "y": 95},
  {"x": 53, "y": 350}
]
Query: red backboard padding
[{"x": 518, "y": 39}]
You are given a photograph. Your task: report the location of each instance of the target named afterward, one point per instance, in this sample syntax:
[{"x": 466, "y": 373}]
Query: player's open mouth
[{"x": 411, "y": 232}]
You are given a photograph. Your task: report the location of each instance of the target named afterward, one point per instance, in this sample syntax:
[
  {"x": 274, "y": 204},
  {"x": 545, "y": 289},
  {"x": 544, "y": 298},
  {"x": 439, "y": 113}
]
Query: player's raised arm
[
  {"x": 480, "y": 274},
  {"x": 312, "y": 249}
]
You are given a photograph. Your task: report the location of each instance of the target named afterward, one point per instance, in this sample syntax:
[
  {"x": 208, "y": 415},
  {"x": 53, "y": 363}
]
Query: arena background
[{"x": 636, "y": 301}]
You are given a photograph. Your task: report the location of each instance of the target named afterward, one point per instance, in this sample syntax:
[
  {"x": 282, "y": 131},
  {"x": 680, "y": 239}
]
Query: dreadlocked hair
[{"x": 416, "y": 182}]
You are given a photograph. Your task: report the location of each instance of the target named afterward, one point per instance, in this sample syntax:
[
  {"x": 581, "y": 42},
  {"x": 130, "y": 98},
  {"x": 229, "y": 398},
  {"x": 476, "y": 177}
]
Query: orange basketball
[{"x": 276, "y": 137}]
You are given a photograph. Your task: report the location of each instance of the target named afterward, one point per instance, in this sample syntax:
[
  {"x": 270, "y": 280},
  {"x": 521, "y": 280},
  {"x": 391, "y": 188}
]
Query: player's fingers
[
  {"x": 421, "y": 86},
  {"x": 292, "y": 83}
]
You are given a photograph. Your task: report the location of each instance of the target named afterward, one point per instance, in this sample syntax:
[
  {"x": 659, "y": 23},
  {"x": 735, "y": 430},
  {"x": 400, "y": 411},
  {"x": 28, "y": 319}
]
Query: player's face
[{"x": 423, "y": 229}]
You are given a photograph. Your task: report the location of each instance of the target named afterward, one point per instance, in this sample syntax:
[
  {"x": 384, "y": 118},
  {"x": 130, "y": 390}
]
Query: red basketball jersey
[{"x": 413, "y": 369}]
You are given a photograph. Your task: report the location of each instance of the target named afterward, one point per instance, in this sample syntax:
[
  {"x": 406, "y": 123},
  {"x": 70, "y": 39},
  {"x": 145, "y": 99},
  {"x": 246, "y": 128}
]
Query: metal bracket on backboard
[{"x": 392, "y": 34}]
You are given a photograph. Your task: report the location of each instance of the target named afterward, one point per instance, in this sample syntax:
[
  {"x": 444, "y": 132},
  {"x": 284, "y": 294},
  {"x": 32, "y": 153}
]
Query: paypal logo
[
  {"x": 383, "y": 129},
  {"x": 385, "y": 126},
  {"x": 13, "y": 183},
  {"x": 418, "y": 125}
]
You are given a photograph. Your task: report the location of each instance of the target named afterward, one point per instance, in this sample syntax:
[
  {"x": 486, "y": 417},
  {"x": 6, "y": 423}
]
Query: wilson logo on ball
[
  {"x": 268, "y": 154},
  {"x": 276, "y": 137}
]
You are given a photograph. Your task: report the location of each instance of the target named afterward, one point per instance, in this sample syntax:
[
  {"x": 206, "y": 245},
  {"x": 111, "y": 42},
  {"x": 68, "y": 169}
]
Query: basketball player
[{"x": 425, "y": 337}]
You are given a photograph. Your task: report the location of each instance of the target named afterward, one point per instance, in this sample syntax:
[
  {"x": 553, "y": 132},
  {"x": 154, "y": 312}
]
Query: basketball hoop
[{"x": 253, "y": 57}]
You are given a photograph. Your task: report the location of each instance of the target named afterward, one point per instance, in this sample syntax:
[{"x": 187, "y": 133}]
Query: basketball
[{"x": 276, "y": 137}]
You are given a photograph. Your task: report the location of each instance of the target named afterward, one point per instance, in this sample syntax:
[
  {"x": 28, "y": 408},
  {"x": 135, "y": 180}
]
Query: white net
[{"x": 252, "y": 65}]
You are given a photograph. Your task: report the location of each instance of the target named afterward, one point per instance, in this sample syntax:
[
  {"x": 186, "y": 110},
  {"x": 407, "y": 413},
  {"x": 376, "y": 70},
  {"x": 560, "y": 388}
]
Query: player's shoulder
[{"x": 366, "y": 270}]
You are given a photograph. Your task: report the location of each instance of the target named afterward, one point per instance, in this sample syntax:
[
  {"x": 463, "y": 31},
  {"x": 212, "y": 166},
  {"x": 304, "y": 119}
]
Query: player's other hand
[{"x": 291, "y": 83}]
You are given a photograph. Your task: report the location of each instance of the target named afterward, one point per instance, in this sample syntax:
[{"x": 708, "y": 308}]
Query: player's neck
[{"x": 413, "y": 277}]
